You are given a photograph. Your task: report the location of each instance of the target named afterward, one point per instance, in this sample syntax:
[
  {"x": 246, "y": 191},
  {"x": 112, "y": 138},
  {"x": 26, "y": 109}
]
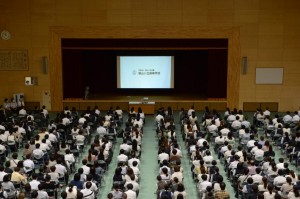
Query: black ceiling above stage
[{"x": 141, "y": 43}]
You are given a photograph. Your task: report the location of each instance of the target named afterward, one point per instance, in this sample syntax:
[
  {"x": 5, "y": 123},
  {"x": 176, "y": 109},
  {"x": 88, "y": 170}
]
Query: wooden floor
[
  {"x": 104, "y": 102},
  {"x": 147, "y": 97}
]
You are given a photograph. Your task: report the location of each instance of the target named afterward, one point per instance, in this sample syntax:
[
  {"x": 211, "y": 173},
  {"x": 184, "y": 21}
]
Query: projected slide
[{"x": 145, "y": 72}]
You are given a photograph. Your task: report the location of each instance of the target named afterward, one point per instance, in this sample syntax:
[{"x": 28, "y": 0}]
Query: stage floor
[{"x": 148, "y": 97}]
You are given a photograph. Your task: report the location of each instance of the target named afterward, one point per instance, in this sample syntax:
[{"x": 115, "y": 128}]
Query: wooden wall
[{"x": 269, "y": 36}]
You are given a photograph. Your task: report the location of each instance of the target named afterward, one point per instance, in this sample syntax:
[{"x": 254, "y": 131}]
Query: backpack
[{"x": 166, "y": 194}]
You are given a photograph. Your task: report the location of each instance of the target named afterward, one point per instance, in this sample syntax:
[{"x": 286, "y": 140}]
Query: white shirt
[
  {"x": 177, "y": 175},
  {"x": 122, "y": 158},
  {"x": 2, "y": 127},
  {"x": 93, "y": 187},
  {"x": 190, "y": 112},
  {"x": 291, "y": 195},
  {"x": 101, "y": 131},
  {"x": 280, "y": 166},
  {"x": 87, "y": 194},
  {"x": 233, "y": 165},
  {"x": 70, "y": 158},
  {"x": 267, "y": 113},
  {"x": 139, "y": 123},
  {"x": 45, "y": 112},
  {"x": 2, "y": 174},
  {"x": 212, "y": 128},
  {"x": 250, "y": 143},
  {"x": 22, "y": 112},
  {"x": 236, "y": 124},
  {"x": 136, "y": 171},
  {"x": 279, "y": 180},
  {"x": 136, "y": 186},
  {"x": 97, "y": 111},
  {"x": 81, "y": 120},
  {"x": 163, "y": 156},
  {"x": 202, "y": 186},
  {"x": 287, "y": 118},
  {"x": 231, "y": 118},
  {"x": 296, "y": 118},
  {"x": 227, "y": 154},
  {"x": 130, "y": 161},
  {"x": 65, "y": 121},
  {"x": 80, "y": 137},
  {"x": 246, "y": 124},
  {"x": 219, "y": 140},
  {"x": 34, "y": 184},
  {"x": 158, "y": 118},
  {"x": 200, "y": 142},
  {"x": 2, "y": 149},
  {"x": 60, "y": 169},
  {"x": 258, "y": 153},
  {"x": 120, "y": 113},
  {"x": 169, "y": 170},
  {"x": 224, "y": 149},
  {"x": 240, "y": 154},
  {"x": 257, "y": 178},
  {"x": 21, "y": 130},
  {"x": 125, "y": 147},
  {"x": 193, "y": 119},
  {"x": 86, "y": 169},
  {"x": 28, "y": 164},
  {"x": 38, "y": 153},
  {"x": 42, "y": 195},
  {"x": 130, "y": 194},
  {"x": 225, "y": 131},
  {"x": 208, "y": 158},
  {"x": 44, "y": 147},
  {"x": 52, "y": 138}
]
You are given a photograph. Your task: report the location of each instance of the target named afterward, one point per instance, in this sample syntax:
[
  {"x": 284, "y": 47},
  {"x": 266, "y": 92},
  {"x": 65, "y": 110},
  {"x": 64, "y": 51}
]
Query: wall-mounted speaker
[
  {"x": 45, "y": 64},
  {"x": 31, "y": 81},
  {"x": 244, "y": 65}
]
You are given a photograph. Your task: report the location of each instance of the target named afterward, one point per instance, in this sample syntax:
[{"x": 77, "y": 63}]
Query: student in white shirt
[
  {"x": 86, "y": 169},
  {"x": 41, "y": 193},
  {"x": 257, "y": 178},
  {"x": 258, "y": 153},
  {"x": 130, "y": 193},
  {"x": 34, "y": 183},
  {"x": 205, "y": 183},
  {"x": 122, "y": 157},
  {"x": 270, "y": 194},
  {"x": 87, "y": 192},
  {"x": 28, "y": 164}
]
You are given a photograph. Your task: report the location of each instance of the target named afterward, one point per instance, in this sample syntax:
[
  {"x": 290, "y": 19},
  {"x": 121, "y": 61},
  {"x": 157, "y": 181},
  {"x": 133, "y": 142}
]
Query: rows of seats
[
  {"x": 51, "y": 153},
  {"x": 170, "y": 180},
  {"x": 246, "y": 156},
  {"x": 127, "y": 173}
]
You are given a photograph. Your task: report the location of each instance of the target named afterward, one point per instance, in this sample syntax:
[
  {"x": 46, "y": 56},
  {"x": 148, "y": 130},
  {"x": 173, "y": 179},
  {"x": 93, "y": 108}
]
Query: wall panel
[{"x": 274, "y": 23}]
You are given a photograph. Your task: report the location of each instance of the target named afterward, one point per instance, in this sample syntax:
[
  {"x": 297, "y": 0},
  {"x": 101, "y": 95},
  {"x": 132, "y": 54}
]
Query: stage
[
  {"x": 104, "y": 102},
  {"x": 128, "y": 98}
]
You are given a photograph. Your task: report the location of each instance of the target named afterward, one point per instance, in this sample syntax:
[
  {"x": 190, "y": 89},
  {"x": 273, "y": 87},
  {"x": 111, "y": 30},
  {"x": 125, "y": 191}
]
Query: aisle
[{"x": 149, "y": 167}]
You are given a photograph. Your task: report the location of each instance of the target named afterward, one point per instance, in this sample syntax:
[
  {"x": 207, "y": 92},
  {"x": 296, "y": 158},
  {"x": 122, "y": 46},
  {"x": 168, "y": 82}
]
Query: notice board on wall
[{"x": 269, "y": 76}]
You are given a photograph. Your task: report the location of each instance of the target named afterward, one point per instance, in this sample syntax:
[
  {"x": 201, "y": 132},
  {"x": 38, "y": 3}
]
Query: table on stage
[{"x": 147, "y": 107}]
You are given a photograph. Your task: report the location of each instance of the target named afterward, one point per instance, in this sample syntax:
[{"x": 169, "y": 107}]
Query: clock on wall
[{"x": 5, "y": 35}]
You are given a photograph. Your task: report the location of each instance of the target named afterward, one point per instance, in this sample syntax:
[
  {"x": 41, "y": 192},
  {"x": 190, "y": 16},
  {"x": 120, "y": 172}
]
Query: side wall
[{"x": 269, "y": 36}]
